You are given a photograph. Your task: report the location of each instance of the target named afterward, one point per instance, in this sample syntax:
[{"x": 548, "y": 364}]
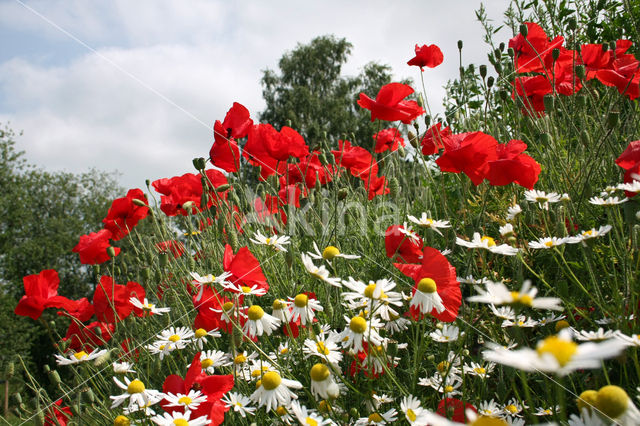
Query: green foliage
[{"x": 312, "y": 96}]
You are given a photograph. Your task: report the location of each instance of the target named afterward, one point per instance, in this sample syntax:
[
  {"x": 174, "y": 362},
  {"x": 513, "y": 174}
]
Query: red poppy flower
[
  {"x": 390, "y": 105},
  {"x": 630, "y": 157},
  {"x": 513, "y": 166},
  {"x": 624, "y": 74},
  {"x": 123, "y": 214},
  {"x": 214, "y": 387},
  {"x": 270, "y": 149},
  {"x": 269, "y": 210},
  {"x": 468, "y": 153},
  {"x": 436, "y": 267},
  {"x": 176, "y": 248},
  {"x": 531, "y": 51},
  {"x": 532, "y": 90},
  {"x": 237, "y": 122},
  {"x": 454, "y": 409},
  {"x": 224, "y": 152},
  {"x": 387, "y": 139},
  {"x": 375, "y": 185},
  {"x": 92, "y": 248},
  {"x": 356, "y": 159},
  {"x": 111, "y": 300},
  {"x": 427, "y": 56},
  {"x": 308, "y": 170},
  {"x": 86, "y": 338},
  {"x": 290, "y": 194},
  {"x": 81, "y": 309},
  {"x": 402, "y": 247},
  {"x": 594, "y": 57},
  {"x": 57, "y": 415},
  {"x": 183, "y": 194},
  {"x": 432, "y": 142},
  {"x": 244, "y": 268},
  {"x": 41, "y": 292}
]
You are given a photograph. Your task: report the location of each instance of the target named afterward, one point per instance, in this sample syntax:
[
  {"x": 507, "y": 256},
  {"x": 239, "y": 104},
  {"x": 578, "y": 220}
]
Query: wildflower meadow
[{"x": 474, "y": 267}]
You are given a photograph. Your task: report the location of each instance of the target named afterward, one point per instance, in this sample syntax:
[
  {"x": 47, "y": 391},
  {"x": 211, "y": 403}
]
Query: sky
[{"x": 135, "y": 86}]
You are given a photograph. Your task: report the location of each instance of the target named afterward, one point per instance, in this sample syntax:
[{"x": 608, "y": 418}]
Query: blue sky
[{"x": 142, "y": 97}]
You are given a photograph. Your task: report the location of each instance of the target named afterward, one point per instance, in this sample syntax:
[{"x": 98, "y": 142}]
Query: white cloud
[{"x": 202, "y": 56}]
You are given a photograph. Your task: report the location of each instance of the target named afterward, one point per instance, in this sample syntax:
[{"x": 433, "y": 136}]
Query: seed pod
[
  {"x": 54, "y": 377},
  {"x": 199, "y": 163},
  {"x": 490, "y": 81},
  {"x": 498, "y": 68},
  {"x": 549, "y": 102},
  {"x": 511, "y": 52},
  {"x": 524, "y": 30},
  {"x": 580, "y": 71},
  {"x": 483, "y": 71},
  {"x": 555, "y": 54}
]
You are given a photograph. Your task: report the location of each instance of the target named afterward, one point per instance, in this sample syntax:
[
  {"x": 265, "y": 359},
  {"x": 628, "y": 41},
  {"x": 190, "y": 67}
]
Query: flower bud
[
  {"x": 498, "y": 68},
  {"x": 511, "y": 52},
  {"x": 549, "y": 102},
  {"x": 342, "y": 193},
  {"x": 555, "y": 54},
  {"x": 394, "y": 187},
  {"x": 353, "y": 412},
  {"x": 111, "y": 252},
  {"x": 54, "y": 377},
  {"x": 459, "y": 44},
  {"x": 163, "y": 259},
  {"x": 490, "y": 81},
  {"x": 483, "y": 71},
  {"x": 223, "y": 187},
  {"x": 524, "y": 30},
  {"x": 199, "y": 163},
  {"x": 16, "y": 398},
  {"x": 580, "y": 71},
  {"x": 571, "y": 23},
  {"x": 139, "y": 203}
]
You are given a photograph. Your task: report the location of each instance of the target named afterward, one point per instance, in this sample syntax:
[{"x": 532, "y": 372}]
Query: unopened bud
[
  {"x": 163, "y": 259},
  {"x": 511, "y": 52},
  {"x": 188, "y": 206},
  {"x": 490, "y": 81},
  {"x": 147, "y": 182},
  {"x": 504, "y": 95},
  {"x": 223, "y": 187},
  {"x": 342, "y": 193},
  {"x": 460, "y": 45},
  {"x": 498, "y": 68},
  {"x": 139, "y": 203},
  {"x": 91, "y": 397},
  {"x": 394, "y": 187},
  {"x": 54, "y": 377},
  {"x": 555, "y": 54},
  {"x": 501, "y": 46},
  {"x": 524, "y": 30},
  {"x": 483, "y": 71},
  {"x": 111, "y": 252},
  {"x": 580, "y": 71},
  {"x": 353, "y": 412},
  {"x": 16, "y": 398},
  {"x": 323, "y": 159},
  {"x": 199, "y": 163},
  {"x": 585, "y": 137},
  {"x": 571, "y": 23},
  {"x": 549, "y": 102}
]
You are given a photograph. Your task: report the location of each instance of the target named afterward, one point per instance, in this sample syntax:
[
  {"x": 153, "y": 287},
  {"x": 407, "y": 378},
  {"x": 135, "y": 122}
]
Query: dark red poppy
[
  {"x": 468, "y": 153},
  {"x": 436, "y": 267},
  {"x": 390, "y": 105},
  {"x": 214, "y": 387},
  {"x": 237, "y": 122},
  {"x": 375, "y": 185},
  {"x": 57, "y": 415},
  {"x": 224, "y": 152},
  {"x": 513, "y": 166},
  {"x": 454, "y": 409},
  {"x": 209, "y": 307},
  {"x": 124, "y": 215},
  {"x": 531, "y": 51},
  {"x": 92, "y": 248},
  {"x": 402, "y": 247},
  {"x": 41, "y": 292},
  {"x": 432, "y": 142},
  {"x": 111, "y": 300},
  {"x": 427, "y": 56},
  {"x": 270, "y": 149},
  {"x": 86, "y": 338},
  {"x": 244, "y": 268},
  {"x": 388, "y": 139}
]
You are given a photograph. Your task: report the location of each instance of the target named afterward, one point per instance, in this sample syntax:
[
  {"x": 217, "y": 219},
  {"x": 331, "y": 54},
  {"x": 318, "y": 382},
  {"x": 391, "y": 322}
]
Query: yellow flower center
[
  {"x": 206, "y": 363},
  {"x": 370, "y": 290},
  {"x": 427, "y": 285},
  {"x": 301, "y": 300},
  {"x": 271, "y": 380},
  {"x": 511, "y": 408},
  {"x": 185, "y": 400},
  {"x": 255, "y": 312},
  {"x": 490, "y": 241},
  {"x": 375, "y": 418},
  {"x": 612, "y": 400},
  {"x": 562, "y": 350},
  {"x": 429, "y": 222},
  {"x": 148, "y": 306},
  {"x": 227, "y": 307},
  {"x": 448, "y": 389},
  {"x": 489, "y": 421},
  {"x": 258, "y": 373},
  {"x": 588, "y": 233},
  {"x": 480, "y": 370},
  {"x": 80, "y": 355},
  {"x": 268, "y": 241},
  {"x": 136, "y": 386},
  {"x": 522, "y": 299},
  {"x": 278, "y": 304},
  {"x": 180, "y": 422},
  {"x": 443, "y": 366},
  {"x": 321, "y": 348},
  {"x": 284, "y": 350},
  {"x": 330, "y": 252},
  {"x": 121, "y": 421},
  {"x": 542, "y": 199},
  {"x": 324, "y": 406},
  {"x": 587, "y": 399},
  {"x": 246, "y": 289},
  {"x": 309, "y": 421},
  {"x": 561, "y": 324},
  {"x": 161, "y": 347},
  {"x": 281, "y": 411},
  {"x": 240, "y": 359},
  {"x": 411, "y": 415},
  {"x": 358, "y": 325},
  {"x": 549, "y": 244},
  {"x": 319, "y": 372},
  {"x": 200, "y": 333},
  {"x": 174, "y": 338}
]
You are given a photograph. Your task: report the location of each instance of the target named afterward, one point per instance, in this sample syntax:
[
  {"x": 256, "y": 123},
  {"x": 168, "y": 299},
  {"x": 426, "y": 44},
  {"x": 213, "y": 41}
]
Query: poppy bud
[
  {"x": 91, "y": 397},
  {"x": 465, "y": 352},
  {"x": 545, "y": 138},
  {"x": 524, "y": 30},
  {"x": 612, "y": 45},
  {"x": 189, "y": 206},
  {"x": 420, "y": 101},
  {"x": 511, "y": 52},
  {"x": 163, "y": 259},
  {"x": 342, "y": 193},
  {"x": 54, "y": 377},
  {"x": 497, "y": 54},
  {"x": 612, "y": 119},
  {"x": 427, "y": 120},
  {"x": 549, "y": 102},
  {"x": 46, "y": 368},
  {"x": 223, "y": 187},
  {"x": 147, "y": 182},
  {"x": 38, "y": 419},
  {"x": 555, "y": 54},
  {"x": 288, "y": 257},
  {"x": 498, "y": 68},
  {"x": 490, "y": 81},
  {"x": 146, "y": 274},
  {"x": 111, "y": 252},
  {"x": 139, "y": 203},
  {"x": 472, "y": 68},
  {"x": 394, "y": 187},
  {"x": 504, "y": 95},
  {"x": 233, "y": 239},
  {"x": 459, "y": 44},
  {"x": 199, "y": 163},
  {"x": 483, "y": 71},
  {"x": 323, "y": 159}
]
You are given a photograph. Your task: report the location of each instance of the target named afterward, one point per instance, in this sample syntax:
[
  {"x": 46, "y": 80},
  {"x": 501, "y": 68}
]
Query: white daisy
[
  {"x": 609, "y": 201},
  {"x": 633, "y": 340},
  {"x": 147, "y": 307},
  {"x": 329, "y": 253},
  {"x": 122, "y": 367},
  {"x": 308, "y": 417},
  {"x": 79, "y": 357},
  {"x": 556, "y": 354},
  {"x": 358, "y": 331},
  {"x": 413, "y": 412},
  {"x": 497, "y": 293},
  {"x": 378, "y": 418},
  {"x": 190, "y": 401},
  {"x": 200, "y": 336},
  {"x": 275, "y": 241},
  {"x": 303, "y": 307},
  {"x": 594, "y": 336},
  {"x": 487, "y": 243},
  {"x": 178, "y": 418},
  {"x": 274, "y": 391},
  {"x": 513, "y": 408},
  {"x": 200, "y": 282},
  {"x": 513, "y": 212},
  {"x": 322, "y": 383},
  {"x": 210, "y": 360},
  {"x": 633, "y": 186},
  {"x": 426, "y": 298},
  {"x": 541, "y": 411},
  {"x": 521, "y": 321},
  {"x": 426, "y": 222},
  {"x": 550, "y": 319},
  {"x": 259, "y": 322},
  {"x": 240, "y": 403},
  {"x": 137, "y": 394},
  {"x": 448, "y": 333},
  {"x": 542, "y": 198},
  {"x": 506, "y": 230},
  {"x": 480, "y": 370},
  {"x": 177, "y": 337},
  {"x": 489, "y": 409},
  {"x": 319, "y": 272},
  {"x": 589, "y": 234},
  {"x": 376, "y": 296},
  {"x": 547, "y": 242},
  {"x": 504, "y": 312}
]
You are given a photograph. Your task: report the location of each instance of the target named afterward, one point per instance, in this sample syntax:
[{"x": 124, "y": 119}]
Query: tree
[{"x": 311, "y": 95}]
